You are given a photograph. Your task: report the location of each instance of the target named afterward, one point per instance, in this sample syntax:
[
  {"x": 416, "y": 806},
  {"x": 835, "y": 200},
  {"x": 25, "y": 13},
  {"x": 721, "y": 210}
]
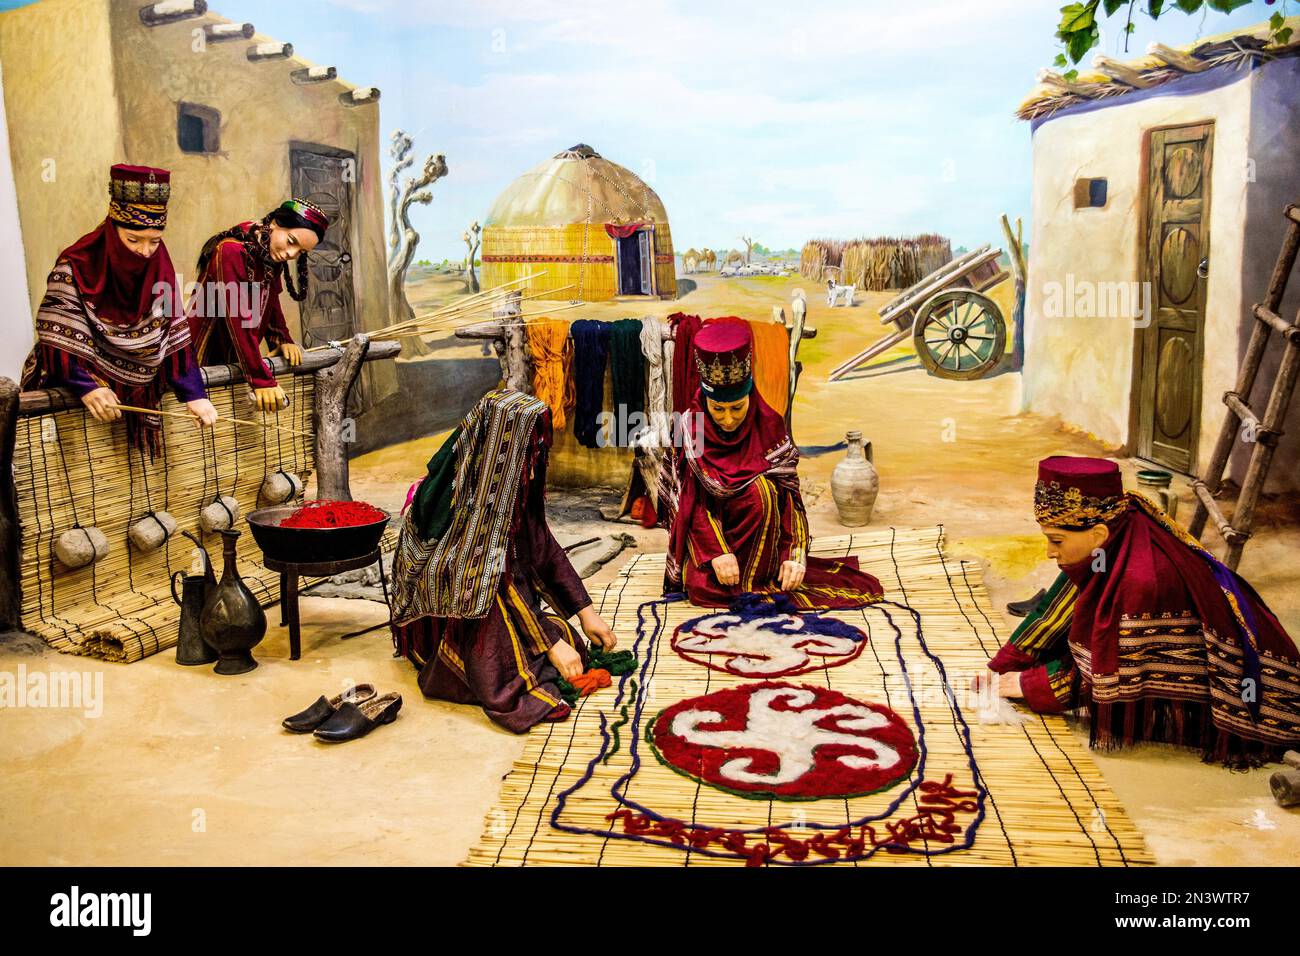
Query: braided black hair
[{"x": 257, "y": 245}]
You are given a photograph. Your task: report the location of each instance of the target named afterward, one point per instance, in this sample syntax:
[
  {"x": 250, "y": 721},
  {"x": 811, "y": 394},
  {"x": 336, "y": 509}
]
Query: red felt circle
[{"x": 718, "y": 764}]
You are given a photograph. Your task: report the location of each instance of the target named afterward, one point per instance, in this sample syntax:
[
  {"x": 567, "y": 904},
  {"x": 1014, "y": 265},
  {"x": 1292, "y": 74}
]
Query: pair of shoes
[
  {"x": 305, "y": 721},
  {"x": 351, "y": 721},
  {"x": 1025, "y": 608}
]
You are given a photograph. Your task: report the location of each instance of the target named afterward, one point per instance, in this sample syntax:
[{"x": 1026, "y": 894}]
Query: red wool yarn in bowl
[{"x": 333, "y": 514}]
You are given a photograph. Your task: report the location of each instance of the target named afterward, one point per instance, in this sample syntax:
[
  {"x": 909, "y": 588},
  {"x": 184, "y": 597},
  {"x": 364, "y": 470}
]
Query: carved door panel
[
  {"x": 326, "y": 180},
  {"x": 1175, "y": 261}
]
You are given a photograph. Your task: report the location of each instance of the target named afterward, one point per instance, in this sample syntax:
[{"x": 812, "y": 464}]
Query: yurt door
[
  {"x": 645, "y": 247},
  {"x": 1174, "y": 260},
  {"x": 636, "y": 263}
]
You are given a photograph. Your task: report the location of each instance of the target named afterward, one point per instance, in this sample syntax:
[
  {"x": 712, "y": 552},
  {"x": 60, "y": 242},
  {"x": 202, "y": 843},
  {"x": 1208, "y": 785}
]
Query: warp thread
[{"x": 590, "y": 353}]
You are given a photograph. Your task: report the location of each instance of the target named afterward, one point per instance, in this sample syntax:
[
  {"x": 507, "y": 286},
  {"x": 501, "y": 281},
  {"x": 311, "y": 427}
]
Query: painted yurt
[{"x": 597, "y": 230}]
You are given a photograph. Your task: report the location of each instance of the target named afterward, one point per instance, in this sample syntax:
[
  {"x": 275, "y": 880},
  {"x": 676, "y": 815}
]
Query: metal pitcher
[{"x": 191, "y": 649}]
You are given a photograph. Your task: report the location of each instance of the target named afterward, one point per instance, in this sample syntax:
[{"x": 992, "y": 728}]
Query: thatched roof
[
  {"x": 1161, "y": 65},
  {"x": 576, "y": 186}
]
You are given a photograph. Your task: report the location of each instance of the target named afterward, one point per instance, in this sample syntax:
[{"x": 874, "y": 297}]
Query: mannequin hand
[
  {"x": 102, "y": 404},
  {"x": 726, "y": 568},
  {"x": 1007, "y": 685},
  {"x": 289, "y": 352},
  {"x": 270, "y": 399},
  {"x": 597, "y": 631},
  {"x": 203, "y": 411},
  {"x": 565, "y": 659},
  {"x": 792, "y": 573}
]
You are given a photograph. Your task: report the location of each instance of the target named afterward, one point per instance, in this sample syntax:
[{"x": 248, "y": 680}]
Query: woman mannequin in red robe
[
  {"x": 110, "y": 329},
  {"x": 735, "y": 516},
  {"x": 237, "y": 306}
]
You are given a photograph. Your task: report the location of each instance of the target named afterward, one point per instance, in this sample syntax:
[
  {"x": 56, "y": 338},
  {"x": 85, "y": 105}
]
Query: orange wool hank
[
  {"x": 552, "y": 353},
  {"x": 772, "y": 363},
  {"x": 591, "y": 681}
]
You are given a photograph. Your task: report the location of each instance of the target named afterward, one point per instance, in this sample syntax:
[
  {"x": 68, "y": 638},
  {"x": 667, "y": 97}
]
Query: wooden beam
[
  {"x": 1178, "y": 59},
  {"x": 1120, "y": 72},
  {"x": 314, "y": 74},
  {"x": 219, "y": 32},
  {"x": 1057, "y": 81},
  {"x": 361, "y": 96},
  {"x": 271, "y": 50},
  {"x": 170, "y": 11},
  {"x": 47, "y": 400}
]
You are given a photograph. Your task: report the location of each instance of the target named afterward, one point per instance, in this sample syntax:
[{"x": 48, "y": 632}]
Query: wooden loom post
[
  {"x": 511, "y": 348},
  {"x": 333, "y": 385},
  {"x": 11, "y": 598}
]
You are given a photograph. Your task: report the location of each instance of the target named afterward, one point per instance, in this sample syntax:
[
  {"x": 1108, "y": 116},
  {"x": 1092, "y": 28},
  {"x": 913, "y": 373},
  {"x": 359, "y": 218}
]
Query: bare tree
[
  {"x": 402, "y": 237},
  {"x": 749, "y": 247},
  {"x": 472, "y": 237}
]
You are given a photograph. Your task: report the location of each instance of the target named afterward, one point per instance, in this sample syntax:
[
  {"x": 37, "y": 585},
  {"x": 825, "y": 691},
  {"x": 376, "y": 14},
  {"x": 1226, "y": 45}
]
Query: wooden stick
[{"x": 238, "y": 421}]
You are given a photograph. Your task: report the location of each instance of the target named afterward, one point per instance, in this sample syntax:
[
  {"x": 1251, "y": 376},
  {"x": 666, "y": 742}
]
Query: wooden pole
[
  {"x": 333, "y": 428},
  {"x": 11, "y": 594},
  {"x": 1018, "y": 270},
  {"x": 512, "y": 349}
]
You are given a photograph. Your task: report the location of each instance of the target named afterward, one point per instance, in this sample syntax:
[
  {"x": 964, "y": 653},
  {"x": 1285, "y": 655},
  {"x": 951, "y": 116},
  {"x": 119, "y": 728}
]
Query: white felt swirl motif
[
  {"x": 791, "y": 735},
  {"x": 769, "y": 645}
]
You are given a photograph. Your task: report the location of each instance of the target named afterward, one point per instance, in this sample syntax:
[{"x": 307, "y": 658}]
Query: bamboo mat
[
  {"x": 120, "y": 608},
  {"x": 980, "y": 794}
]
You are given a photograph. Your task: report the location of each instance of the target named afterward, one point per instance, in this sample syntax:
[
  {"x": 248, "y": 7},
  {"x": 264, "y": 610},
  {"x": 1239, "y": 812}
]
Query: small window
[
  {"x": 1089, "y": 192},
  {"x": 198, "y": 128}
]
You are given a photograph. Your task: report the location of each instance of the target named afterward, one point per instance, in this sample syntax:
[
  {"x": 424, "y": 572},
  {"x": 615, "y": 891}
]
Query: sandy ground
[{"x": 187, "y": 767}]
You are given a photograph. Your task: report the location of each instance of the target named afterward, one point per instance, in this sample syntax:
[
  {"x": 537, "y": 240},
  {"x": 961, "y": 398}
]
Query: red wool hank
[{"x": 333, "y": 514}]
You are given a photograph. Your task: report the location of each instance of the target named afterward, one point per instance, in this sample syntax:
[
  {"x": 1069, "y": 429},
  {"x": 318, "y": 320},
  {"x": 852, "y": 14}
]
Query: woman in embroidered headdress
[
  {"x": 475, "y": 559},
  {"x": 1144, "y": 627},
  {"x": 110, "y": 328},
  {"x": 242, "y": 271},
  {"x": 729, "y": 494}
]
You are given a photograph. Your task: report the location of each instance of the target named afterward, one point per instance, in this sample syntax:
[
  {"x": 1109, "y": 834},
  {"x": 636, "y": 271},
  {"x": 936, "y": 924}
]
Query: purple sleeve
[
  {"x": 188, "y": 386},
  {"x": 78, "y": 380}
]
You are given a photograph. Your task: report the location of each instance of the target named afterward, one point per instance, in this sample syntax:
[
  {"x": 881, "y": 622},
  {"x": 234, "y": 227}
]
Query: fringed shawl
[{"x": 499, "y": 449}]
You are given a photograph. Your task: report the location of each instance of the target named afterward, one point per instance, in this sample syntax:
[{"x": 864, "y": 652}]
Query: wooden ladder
[{"x": 1242, "y": 421}]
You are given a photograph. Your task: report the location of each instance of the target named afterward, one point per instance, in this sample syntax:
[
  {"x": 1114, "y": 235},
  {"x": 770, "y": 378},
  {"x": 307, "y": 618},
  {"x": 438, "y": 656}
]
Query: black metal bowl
[{"x": 312, "y": 545}]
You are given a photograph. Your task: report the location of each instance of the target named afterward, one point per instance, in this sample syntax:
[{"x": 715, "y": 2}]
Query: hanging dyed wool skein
[{"x": 78, "y": 546}]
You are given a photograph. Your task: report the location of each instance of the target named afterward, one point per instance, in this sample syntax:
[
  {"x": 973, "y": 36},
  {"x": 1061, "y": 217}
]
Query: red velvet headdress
[
  {"x": 724, "y": 356},
  {"x": 1078, "y": 493},
  {"x": 138, "y": 195}
]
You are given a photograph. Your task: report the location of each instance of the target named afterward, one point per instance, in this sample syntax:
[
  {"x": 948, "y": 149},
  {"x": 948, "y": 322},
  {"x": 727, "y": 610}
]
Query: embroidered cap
[
  {"x": 1078, "y": 493},
  {"x": 309, "y": 211},
  {"x": 138, "y": 195},
  {"x": 724, "y": 356}
]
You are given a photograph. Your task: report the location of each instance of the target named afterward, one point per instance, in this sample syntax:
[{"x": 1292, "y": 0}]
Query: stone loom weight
[{"x": 121, "y": 608}]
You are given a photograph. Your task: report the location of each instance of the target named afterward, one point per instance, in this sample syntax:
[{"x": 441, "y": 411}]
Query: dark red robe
[{"x": 228, "y": 322}]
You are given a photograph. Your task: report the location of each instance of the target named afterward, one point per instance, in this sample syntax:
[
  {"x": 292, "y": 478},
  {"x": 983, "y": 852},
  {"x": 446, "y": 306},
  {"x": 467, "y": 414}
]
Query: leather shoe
[
  {"x": 351, "y": 721},
  {"x": 1027, "y": 607},
  {"x": 304, "y": 722}
]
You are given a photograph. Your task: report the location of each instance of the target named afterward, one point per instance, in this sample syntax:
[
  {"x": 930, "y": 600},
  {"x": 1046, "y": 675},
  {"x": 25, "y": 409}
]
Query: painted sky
[{"x": 777, "y": 120}]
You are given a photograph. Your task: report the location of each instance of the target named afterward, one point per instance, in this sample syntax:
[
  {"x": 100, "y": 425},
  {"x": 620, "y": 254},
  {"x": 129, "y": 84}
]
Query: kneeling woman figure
[
  {"x": 474, "y": 562},
  {"x": 1147, "y": 630},
  {"x": 735, "y": 517}
]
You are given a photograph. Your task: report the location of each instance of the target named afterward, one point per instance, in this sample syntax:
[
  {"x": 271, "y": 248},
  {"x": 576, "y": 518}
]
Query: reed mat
[{"x": 600, "y": 789}]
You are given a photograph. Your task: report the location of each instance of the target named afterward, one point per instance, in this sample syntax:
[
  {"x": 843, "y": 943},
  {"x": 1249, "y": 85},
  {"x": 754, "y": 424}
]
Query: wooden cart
[{"x": 958, "y": 332}]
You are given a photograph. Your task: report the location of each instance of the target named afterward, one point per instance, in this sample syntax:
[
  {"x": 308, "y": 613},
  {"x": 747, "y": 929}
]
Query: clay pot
[
  {"x": 854, "y": 483},
  {"x": 232, "y": 623}
]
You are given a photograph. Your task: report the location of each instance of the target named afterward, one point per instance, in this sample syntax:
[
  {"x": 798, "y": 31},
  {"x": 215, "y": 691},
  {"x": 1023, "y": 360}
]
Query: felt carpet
[{"x": 858, "y": 743}]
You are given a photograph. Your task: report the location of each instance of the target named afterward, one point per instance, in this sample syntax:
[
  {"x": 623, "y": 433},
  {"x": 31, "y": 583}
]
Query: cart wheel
[{"x": 960, "y": 334}]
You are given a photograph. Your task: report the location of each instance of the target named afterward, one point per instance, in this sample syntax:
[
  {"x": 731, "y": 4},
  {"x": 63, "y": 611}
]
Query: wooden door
[
  {"x": 645, "y": 247},
  {"x": 325, "y": 178},
  {"x": 1175, "y": 253}
]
